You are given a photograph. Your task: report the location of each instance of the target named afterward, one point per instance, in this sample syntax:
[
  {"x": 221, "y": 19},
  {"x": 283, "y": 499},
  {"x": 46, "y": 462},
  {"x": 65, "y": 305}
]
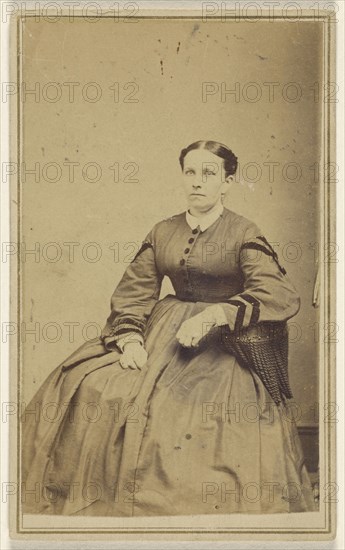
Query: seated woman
[{"x": 180, "y": 407}]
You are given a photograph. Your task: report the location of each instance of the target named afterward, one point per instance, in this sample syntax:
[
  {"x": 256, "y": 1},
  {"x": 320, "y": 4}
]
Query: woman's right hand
[{"x": 134, "y": 356}]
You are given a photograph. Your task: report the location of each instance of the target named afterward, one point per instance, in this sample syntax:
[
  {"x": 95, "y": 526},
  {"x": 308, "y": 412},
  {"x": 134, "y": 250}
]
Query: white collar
[{"x": 205, "y": 220}]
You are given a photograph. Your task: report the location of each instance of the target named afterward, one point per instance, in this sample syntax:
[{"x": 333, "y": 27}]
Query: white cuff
[
  {"x": 219, "y": 316},
  {"x": 129, "y": 337}
]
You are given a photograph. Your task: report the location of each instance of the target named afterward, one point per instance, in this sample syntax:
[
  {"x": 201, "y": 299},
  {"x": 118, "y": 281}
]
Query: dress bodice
[
  {"x": 230, "y": 263},
  {"x": 202, "y": 265}
]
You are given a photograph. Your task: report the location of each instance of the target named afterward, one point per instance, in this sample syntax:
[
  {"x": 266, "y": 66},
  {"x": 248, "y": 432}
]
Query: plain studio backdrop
[{"x": 115, "y": 102}]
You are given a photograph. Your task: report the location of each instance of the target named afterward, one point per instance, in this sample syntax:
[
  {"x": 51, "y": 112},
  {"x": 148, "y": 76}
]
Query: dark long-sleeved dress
[{"x": 195, "y": 431}]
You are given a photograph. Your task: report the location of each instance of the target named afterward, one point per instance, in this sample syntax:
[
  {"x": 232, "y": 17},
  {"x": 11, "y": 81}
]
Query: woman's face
[{"x": 203, "y": 180}]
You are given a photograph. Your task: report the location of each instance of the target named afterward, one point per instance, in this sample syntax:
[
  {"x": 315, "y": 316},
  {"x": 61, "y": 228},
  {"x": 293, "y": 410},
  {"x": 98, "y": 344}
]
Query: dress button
[
  {"x": 182, "y": 262},
  {"x": 187, "y": 250},
  {"x": 191, "y": 240},
  {"x": 195, "y": 231}
]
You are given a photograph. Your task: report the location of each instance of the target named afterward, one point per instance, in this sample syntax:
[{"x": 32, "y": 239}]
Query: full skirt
[{"x": 193, "y": 432}]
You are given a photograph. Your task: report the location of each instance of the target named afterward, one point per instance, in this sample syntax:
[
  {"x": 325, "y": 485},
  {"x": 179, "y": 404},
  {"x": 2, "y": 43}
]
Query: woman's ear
[{"x": 227, "y": 183}]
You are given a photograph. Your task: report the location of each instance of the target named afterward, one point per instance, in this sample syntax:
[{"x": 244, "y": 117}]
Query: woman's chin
[
  {"x": 198, "y": 201},
  {"x": 200, "y": 206}
]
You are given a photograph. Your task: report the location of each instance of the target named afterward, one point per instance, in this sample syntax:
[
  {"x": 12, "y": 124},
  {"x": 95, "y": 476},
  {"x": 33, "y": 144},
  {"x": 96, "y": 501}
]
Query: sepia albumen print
[{"x": 177, "y": 167}]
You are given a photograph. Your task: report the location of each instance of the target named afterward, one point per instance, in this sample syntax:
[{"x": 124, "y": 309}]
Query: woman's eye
[
  {"x": 188, "y": 172},
  {"x": 209, "y": 173}
]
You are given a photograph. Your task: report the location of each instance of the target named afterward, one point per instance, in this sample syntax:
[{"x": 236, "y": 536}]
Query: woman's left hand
[{"x": 194, "y": 329}]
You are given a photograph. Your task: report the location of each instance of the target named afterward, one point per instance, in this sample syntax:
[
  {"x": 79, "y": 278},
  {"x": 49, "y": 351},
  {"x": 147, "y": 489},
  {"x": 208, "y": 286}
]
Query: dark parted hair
[{"x": 219, "y": 149}]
